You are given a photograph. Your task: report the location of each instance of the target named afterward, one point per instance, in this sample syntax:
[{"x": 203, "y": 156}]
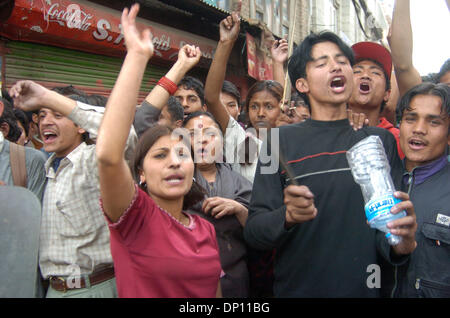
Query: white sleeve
[
  {"x": 90, "y": 117},
  {"x": 234, "y": 136}
]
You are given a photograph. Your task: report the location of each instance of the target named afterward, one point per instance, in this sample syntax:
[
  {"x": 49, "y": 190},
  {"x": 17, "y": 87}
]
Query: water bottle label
[{"x": 380, "y": 206}]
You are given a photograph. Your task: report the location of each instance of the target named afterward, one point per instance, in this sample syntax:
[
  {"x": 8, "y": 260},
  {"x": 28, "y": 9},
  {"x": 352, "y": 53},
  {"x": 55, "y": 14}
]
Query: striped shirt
[{"x": 74, "y": 236}]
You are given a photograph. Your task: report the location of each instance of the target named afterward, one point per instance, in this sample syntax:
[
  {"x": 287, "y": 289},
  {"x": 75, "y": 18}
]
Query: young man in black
[{"x": 324, "y": 247}]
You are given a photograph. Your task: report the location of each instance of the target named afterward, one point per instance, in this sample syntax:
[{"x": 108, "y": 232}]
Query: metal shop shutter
[{"x": 53, "y": 66}]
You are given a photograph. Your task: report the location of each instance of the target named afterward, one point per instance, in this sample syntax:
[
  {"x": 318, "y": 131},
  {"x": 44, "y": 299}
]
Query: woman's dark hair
[
  {"x": 198, "y": 114},
  {"x": 276, "y": 90},
  {"x": 302, "y": 55},
  {"x": 440, "y": 90},
  {"x": 22, "y": 117},
  {"x": 146, "y": 141},
  {"x": 272, "y": 87}
]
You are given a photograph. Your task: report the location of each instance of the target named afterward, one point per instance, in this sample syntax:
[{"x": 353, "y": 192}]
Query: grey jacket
[{"x": 229, "y": 232}]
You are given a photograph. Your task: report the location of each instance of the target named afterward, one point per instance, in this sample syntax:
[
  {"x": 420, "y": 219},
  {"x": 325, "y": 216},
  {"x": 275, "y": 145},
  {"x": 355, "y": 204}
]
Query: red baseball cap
[{"x": 373, "y": 51}]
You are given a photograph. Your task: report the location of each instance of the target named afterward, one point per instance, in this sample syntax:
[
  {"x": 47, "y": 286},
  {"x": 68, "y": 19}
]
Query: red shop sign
[
  {"x": 91, "y": 28},
  {"x": 259, "y": 64}
]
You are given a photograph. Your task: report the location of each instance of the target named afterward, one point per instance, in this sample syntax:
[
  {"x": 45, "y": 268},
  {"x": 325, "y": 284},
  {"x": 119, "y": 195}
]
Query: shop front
[{"x": 63, "y": 42}]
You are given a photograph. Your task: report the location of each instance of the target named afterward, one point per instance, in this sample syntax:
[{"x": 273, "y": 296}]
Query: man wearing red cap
[{"x": 371, "y": 85}]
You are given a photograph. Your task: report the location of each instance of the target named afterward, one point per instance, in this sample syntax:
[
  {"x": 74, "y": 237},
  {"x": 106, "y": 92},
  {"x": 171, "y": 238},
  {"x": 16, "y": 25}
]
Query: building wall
[
  {"x": 301, "y": 28},
  {"x": 323, "y": 16},
  {"x": 245, "y": 9},
  {"x": 350, "y": 28},
  {"x": 346, "y": 24}
]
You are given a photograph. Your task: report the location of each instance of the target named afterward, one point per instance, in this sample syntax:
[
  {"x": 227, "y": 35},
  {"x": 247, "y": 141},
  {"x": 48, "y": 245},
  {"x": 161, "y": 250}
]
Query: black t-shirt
[{"x": 330, "y": 255}]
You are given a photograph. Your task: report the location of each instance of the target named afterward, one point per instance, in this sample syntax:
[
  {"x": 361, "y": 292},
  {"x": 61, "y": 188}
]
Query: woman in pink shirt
[{"x": 158, "y": 250}]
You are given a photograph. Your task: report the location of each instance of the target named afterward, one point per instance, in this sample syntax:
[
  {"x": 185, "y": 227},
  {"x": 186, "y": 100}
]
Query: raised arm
[
  {"x": 148, "y": 113},
  {"x": 391, "y": 105},
  {"x": 401, "y": 43},
  {"x": 30, "y": 96},
  {"x": 116, "y": 181},
  {"x": 279, "y": 52},
  {"x": 188, "y": 57},
  {"x": 229, "y": 31}
]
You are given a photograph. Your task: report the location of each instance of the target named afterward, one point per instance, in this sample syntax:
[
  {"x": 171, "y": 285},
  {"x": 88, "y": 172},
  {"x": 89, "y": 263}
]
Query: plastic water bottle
[{"x": 371, "y": 170}]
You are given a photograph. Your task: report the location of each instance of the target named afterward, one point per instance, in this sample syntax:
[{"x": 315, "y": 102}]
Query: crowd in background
[{"x": 175, "y": 198}]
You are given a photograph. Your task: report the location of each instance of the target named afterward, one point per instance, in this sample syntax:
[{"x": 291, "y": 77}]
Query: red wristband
[{"x": 168, "y": 85}]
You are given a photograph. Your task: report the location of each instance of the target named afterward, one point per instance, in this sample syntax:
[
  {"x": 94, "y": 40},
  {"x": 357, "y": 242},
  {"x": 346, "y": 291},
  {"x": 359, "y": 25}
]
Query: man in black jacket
[
  {"x": 424, "y": 138},
  {"x": 324, "y": 247}
]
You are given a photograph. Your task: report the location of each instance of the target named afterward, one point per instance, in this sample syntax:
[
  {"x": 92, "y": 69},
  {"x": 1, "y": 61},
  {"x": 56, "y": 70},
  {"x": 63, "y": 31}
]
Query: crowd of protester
[{"x": 176, "y": 197}]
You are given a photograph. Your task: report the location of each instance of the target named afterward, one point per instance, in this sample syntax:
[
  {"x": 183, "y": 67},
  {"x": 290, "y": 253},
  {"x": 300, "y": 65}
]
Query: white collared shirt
[
  {"x": 74, "y": 236},
  {"x": 234, "y": 139}
]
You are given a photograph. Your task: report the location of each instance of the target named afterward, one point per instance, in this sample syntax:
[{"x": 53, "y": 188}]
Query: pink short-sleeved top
[{"x": 155, "y": 256}]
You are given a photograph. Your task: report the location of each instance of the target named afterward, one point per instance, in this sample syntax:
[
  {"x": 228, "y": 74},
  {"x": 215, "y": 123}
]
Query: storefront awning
[
  {"x": 207, "y": 9},
  {"x": 89, "y": 27}
]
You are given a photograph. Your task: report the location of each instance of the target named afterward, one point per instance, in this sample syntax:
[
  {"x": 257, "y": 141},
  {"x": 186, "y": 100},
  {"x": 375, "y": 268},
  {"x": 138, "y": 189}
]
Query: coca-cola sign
[
  {"x": 77, "y": 25},
  {"x": 72, "y": 16}
]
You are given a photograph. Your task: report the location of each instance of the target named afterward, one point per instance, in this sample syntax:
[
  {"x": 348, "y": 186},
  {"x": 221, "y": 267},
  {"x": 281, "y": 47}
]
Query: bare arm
[
  {"x": 147, "y": 115},
  {"x": 116, "y": 182},
  {"x": 401, "y": 43},
  {"x": 229, "y": 31},
  {"x": 391, "y": 105},
  {"x": 279, "y": 52},
  {"x": 188, "y": 57},
  {"x": 30, "y": 96}
]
